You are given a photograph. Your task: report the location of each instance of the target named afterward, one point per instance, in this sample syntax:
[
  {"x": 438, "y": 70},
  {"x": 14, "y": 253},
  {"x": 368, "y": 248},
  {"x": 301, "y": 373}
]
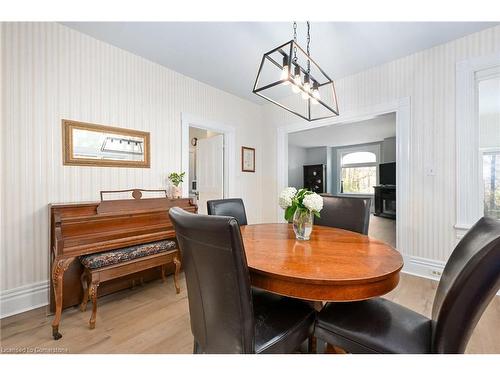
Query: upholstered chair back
[
  {"x": 349, "y": 213},
  {"x": 470, "y": 280},
  {"x": 233, "y": 207},
  {"x": 218, "y": 282}
]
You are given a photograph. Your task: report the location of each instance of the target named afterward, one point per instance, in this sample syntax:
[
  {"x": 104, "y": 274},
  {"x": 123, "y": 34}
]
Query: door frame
[
  {"x": 402, "y": 108},
  {"x": 228, "y": 133}
]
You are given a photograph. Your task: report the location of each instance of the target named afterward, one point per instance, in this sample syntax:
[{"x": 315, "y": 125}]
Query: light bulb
[
  {"x": 285, "y": 71},
  {"x": 315, "y": 92},
  {"x": 295, "y": 88},
  {"x": 307, "y": 84},
  {"x": 284, "y": 75},
  {"x": 296, "y": 75},
  {"x": 304, "y": 95}
]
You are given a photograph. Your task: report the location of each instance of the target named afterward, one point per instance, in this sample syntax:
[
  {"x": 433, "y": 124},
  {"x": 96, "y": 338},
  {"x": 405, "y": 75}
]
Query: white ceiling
[
  {"x": 226, "y": 55},
  {"x": 347, "y": 134}
]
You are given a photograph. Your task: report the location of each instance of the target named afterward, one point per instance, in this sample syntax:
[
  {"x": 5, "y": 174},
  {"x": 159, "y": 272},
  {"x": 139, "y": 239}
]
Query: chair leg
[
  {"x": 85, "y": 286},
  {"x": 196, "y": 348},
  {"x": 177, "y": 263},
  {"x": 312, "y": 346},
  {"x": 93, "y": 296}
]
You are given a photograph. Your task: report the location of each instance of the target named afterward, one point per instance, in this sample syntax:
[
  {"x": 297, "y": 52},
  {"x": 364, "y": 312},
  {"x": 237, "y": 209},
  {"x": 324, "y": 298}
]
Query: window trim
[
  {"x": 341, "y": 152},
  {"x": 469, "y": 189}
]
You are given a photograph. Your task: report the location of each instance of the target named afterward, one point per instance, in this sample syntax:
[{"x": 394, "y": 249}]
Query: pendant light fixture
[{"x": 312, "y": 95}]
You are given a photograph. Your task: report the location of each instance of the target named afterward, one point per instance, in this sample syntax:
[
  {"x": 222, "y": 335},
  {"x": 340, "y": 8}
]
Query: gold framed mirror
[{"x": 104, "y": 146}]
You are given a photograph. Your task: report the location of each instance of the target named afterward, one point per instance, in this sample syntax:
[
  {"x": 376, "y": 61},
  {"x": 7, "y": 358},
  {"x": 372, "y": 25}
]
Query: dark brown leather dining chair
[
  {"x": 227, "y": 316},
  {"x": 349, "y": 213},
  {"x": 233, "y": 207},
  {"x": 470, "y": 280}
]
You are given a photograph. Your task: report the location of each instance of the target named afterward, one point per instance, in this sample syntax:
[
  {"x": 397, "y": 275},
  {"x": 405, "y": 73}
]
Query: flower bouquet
[{"x": 301, "y": 206}]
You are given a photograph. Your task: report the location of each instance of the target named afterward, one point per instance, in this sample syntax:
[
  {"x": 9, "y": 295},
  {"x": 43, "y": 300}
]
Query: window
[
  {"x": 477, "y": 119},
  {"x": 358, "y": 169},
  {"x": 488, "y": 87},
  {"x": 491, "y": 178}
]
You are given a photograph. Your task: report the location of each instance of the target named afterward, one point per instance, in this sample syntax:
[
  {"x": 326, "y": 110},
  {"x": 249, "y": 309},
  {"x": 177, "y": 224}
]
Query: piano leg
[
  {"x": 93, "y": 295},
  {"x": 58, "y": 269},
  {"x": 177, "y": 263}
]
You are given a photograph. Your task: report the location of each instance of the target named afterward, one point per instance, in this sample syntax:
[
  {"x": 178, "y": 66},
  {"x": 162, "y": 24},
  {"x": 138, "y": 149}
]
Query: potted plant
[
  {"x": 176, "y": 180},
  {"x": 301, "y": 206}
]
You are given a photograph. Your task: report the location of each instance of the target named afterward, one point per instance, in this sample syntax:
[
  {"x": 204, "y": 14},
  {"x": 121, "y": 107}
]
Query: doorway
[
  {"x": 352, "y": 159},
  {"x": 208, "y": 160},
  {"x": 206, "y": 166},
  {"x": 402, "y": 108}
]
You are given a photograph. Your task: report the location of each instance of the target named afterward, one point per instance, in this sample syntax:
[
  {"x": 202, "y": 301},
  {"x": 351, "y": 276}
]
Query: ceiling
[
  {"x": 226, "y": 55},
  {"x": 346, "y": 134}
]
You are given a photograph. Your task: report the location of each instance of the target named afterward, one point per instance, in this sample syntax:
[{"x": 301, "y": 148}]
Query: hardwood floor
[
  {"x": 383, "y": 229},
  {"x": 153, "y": 319}
]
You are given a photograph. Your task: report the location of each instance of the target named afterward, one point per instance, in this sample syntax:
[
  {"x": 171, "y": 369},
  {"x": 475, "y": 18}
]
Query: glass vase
[{"x": 302, "y": 224}]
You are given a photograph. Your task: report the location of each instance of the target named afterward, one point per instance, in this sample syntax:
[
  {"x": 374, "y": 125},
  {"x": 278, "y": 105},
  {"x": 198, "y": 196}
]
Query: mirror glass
[{"x": 89, "y": 144}]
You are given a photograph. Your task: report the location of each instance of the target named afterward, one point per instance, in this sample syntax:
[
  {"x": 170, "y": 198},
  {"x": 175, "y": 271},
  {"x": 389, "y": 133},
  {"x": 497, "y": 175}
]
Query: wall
[
  {"x": 346, "y": 134},
  {"x": 316, "y": 155},
  {"x": 428, "y": 78},
  {"x": 300, "y": 156},
  {"x": 50, "y": 72},
  {"x": 388, "y": 150},
  {"x": 297, "y": 158},
  {"x": 489, "y": 130}
]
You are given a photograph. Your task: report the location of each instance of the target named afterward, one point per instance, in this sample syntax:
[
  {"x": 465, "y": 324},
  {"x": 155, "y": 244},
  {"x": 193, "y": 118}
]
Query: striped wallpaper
[
  {"x": 50, "y": 72},
  {"x": 428, "y": 78}
]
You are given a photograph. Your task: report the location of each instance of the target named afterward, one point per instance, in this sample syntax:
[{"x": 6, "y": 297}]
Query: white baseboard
[
  {"x": 24, "y": 298},
  {"x": 423, "y": 267}
]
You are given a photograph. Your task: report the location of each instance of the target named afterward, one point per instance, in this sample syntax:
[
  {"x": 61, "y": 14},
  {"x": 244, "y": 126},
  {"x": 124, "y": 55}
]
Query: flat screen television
[{"x": 387, "y": 174}]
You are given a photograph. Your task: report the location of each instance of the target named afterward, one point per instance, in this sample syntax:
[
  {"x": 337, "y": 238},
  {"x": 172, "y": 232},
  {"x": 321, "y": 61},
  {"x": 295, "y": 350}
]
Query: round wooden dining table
[{"x": 334, "y": 265}]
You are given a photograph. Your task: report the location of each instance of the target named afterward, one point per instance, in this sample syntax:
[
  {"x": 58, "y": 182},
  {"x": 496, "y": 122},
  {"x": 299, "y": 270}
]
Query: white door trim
[
  {"x": 469, "y": 194},
  {"x": 402, "y": 108},
  {"x": 188, "y": 120}
]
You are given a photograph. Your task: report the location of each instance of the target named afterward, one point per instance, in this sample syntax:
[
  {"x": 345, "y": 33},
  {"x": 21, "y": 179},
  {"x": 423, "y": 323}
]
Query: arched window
[
  {"x": 358, "y": 169},
  {"x": 359, "y": 157}
]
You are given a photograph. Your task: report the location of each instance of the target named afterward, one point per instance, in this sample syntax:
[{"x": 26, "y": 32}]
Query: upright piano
[{"x": 86, "y": 228}]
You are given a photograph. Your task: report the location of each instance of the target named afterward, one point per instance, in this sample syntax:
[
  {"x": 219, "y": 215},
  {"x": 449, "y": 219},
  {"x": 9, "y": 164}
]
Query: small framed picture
[{"x": 247, "y": 159}]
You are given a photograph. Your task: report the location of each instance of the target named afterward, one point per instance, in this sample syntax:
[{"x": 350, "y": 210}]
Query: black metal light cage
[{"x": 322, "y": 80}]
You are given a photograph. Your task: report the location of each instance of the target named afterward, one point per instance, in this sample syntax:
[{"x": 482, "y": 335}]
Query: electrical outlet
[{"x": 436, "y": 273}]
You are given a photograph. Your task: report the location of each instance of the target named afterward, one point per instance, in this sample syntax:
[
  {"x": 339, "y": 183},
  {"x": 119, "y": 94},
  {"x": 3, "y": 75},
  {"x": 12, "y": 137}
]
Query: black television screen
[{"x": 387, "y": 174}]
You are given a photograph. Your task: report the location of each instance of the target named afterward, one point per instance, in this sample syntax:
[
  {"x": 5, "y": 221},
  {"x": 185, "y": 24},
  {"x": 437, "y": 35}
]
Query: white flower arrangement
[
  {"x": 313, "y": 202},
  {"x": 304, "y": 200},
  {"x": 286, "y": 197}
]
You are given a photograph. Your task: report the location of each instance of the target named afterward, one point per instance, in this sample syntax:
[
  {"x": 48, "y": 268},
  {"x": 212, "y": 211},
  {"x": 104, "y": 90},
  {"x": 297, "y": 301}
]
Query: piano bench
[{"x": 113, "y": 264}]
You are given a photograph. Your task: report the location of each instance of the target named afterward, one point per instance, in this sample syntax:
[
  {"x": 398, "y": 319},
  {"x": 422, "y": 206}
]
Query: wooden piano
[{"x": 86, "y": 228}]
